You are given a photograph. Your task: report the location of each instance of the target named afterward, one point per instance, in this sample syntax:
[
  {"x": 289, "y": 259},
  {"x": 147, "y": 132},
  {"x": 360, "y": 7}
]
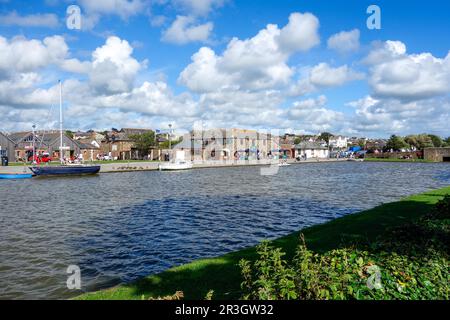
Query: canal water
[{"x": 119, "y": 227}]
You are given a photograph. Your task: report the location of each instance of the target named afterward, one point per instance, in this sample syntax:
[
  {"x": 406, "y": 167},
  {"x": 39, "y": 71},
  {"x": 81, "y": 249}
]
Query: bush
[{"x": 409, "y": 262}]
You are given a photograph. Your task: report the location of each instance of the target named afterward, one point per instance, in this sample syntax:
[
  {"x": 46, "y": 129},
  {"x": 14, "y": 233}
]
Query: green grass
[
  {"x": 222, "y": 274},
  {"x": 396, "y": 160}
]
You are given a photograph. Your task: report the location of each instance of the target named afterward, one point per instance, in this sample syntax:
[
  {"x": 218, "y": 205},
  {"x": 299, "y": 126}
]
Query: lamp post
[
  {"x": 34, "y": 145},
  {"x": 170, "y": 136}
]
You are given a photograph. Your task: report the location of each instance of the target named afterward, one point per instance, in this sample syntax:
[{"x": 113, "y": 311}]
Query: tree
[
  {"x": 396, "y": 143},
  {"x": 437, "y": 141},
  {"x": 297, "y": 140},
  {"x": 421, "y": 141},
  {"x": 69, "y": 134},
  {"x": 447, "y": 142},
  {"x": 325, "y": 136},
  {"x": 143, "y": 142}
]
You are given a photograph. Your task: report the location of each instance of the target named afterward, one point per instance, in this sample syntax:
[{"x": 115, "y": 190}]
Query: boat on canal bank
[
  {"x": 177, "y": 165},
  {"x": 64, "y": 169}
]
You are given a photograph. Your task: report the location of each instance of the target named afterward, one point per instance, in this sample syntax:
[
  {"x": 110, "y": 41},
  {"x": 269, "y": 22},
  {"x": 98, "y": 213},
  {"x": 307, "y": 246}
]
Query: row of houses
[
  {"x": 242, "y": 144},
  {"x": 211, "y": 144},
  {"x": 86, "y": 146}
]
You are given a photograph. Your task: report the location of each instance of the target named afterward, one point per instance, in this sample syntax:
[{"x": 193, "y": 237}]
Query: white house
[
  {"x": 338, "y": 142},
  {"x": 311, "y": 150}
]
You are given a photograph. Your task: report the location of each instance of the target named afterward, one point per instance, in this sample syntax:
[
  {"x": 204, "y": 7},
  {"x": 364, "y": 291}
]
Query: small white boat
[
  {"x": 355, "y": 160},
  {"x": 176, "y": 165},
  {"x": 283, "y": 164}
]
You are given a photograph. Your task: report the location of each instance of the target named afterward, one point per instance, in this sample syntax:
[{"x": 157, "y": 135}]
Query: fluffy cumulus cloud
[
  {"x": 324, "y": 76},
  {"x": 186, "y": 29},
  {"x": 313, "y": 115},
  {"x": 373, "y": 116},
  {"x": 250, "y": 83},
  {"x": 256, "y": 63},
  {"x": 22, "y": 55},
  {"x": 396, "y": 74},
  {"x": 113, "y": 67},
  {"x": 345, "y": 41}
]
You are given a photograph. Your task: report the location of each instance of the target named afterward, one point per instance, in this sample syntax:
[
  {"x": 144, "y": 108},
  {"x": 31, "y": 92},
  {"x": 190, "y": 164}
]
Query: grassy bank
[{"x": 223, "y": 274}]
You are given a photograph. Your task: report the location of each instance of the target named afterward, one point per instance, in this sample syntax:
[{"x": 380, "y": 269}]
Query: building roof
[
  {"x": 310, "y": 145},
  {"x": 7, "y": 137}
]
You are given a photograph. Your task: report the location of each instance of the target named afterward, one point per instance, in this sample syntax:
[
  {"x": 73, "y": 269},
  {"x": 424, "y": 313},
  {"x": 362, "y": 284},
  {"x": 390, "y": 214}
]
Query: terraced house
[
  {"x": 228, "y": 144},
  {"x": 49, "y": 142}
]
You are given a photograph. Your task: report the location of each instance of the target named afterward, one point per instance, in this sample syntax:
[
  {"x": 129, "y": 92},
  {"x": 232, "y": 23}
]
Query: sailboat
[{"x": 64, "y": 169}]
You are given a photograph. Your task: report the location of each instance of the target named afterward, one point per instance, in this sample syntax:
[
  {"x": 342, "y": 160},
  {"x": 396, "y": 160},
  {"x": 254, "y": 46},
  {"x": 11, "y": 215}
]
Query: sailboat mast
[{"x": 61, "y": 157}]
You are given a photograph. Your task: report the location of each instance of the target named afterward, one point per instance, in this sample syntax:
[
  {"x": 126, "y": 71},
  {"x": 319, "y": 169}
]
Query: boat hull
[
  {"x": 15, "y": 176},
  {"x": 175, "y": 167},
  {"x": 65, "y": 170}
]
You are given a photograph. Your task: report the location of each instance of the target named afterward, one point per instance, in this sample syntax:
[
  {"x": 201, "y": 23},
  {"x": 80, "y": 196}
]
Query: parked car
[{"x": 45, "y": 158}]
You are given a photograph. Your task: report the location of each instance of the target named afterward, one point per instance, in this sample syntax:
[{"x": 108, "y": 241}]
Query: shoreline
[
  {"x": 142, "y": 166},
  {"x": 197, "y": 278},
  {"x": 153, "y": 166}
]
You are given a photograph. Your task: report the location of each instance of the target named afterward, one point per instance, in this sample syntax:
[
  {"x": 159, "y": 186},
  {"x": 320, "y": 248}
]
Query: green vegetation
[
  {"x": 143, "y": 142},
  {"x": 418, "y": 141},
  {"x": 396, "y": 143},
  {"x": 346, "y": 240},
  {"x": 70, "y": 134},
  {"x": 410, "y": 261},
  {"x": 326, "y": 136},
  {"x": 165, "y": 144}
]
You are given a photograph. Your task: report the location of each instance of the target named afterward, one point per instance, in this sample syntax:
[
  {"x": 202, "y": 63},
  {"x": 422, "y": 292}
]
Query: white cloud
[
  {"x": 301, "y": 33},
  {"x": 22, "y": 55},
  {"x": 393, "y": 116},
  {"x": 113, "y": 67},
  {"x": 33, "y": 20},
  {"x": 185, "y": 29},
  {"x": 345, "y": 41},
  {"x": 324, "y": 76},
  {"x": 257, "y": 63},
  {"x": 396, "y": 74},
  {"x": 313, "y": 115}
]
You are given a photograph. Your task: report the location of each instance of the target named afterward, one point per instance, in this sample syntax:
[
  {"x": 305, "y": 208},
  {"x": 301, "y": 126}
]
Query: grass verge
[{"x": 223, "y": 274}]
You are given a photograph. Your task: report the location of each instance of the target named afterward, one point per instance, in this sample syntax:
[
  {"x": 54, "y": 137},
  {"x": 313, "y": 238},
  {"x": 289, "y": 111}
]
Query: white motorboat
[
  {"x": 283, "y": 164},
  {"x": 176, "y": 165}
]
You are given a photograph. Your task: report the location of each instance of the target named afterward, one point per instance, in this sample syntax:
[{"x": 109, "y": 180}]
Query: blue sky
[{"x": 393, "y": 80}]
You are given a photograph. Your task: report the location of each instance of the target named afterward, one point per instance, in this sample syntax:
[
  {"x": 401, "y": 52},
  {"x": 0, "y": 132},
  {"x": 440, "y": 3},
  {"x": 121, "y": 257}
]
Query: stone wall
[{"x": 437, "y": 154}]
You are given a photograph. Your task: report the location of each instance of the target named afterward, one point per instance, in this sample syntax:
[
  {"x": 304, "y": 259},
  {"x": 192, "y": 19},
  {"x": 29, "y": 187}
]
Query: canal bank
[
  {"x": 222, "y": 274},
  {"x": 115, "y": 167}
]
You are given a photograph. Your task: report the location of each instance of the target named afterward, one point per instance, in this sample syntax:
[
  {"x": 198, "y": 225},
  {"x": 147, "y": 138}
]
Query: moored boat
[
  {"x": 176, "y": 166},
  {"x": 65, "y": 170}
]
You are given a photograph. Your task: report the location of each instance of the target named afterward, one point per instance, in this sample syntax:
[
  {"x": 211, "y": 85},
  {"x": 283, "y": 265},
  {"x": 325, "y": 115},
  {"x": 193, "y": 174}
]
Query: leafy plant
[{"x": 409, "y": 262}]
